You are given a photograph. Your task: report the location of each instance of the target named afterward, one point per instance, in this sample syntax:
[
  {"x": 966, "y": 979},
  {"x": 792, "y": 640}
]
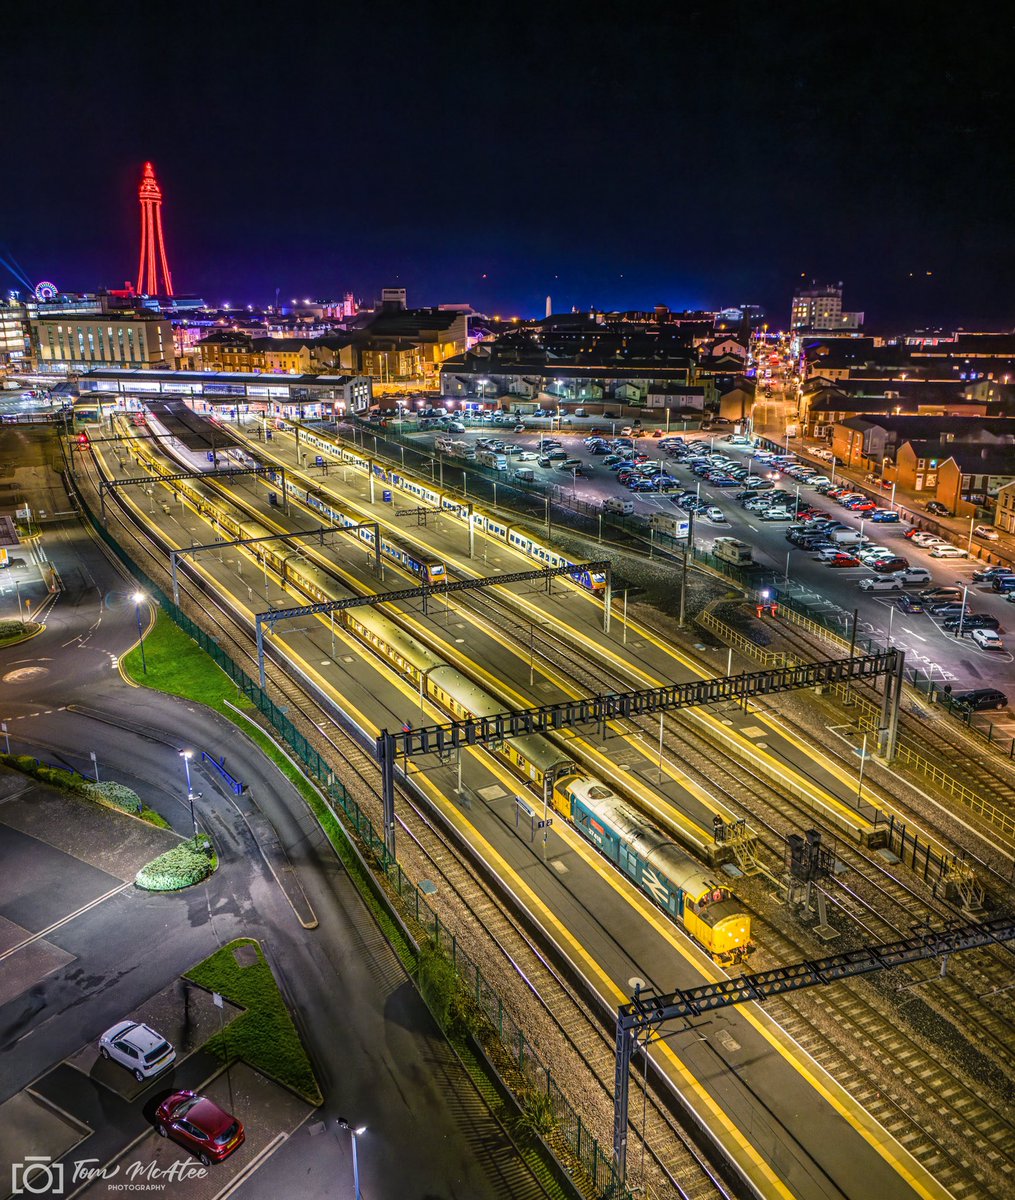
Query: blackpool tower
[{"x": 153, "y": 248}]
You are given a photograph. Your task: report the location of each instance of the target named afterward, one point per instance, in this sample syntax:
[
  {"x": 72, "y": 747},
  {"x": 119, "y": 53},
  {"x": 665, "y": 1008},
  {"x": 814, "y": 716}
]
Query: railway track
[
  {"x": 968, "y": 758},
  {"x": 673, "y": 1164},
  {"x": 882, "y": 906},
  {"x": 923, "y": 1143}
]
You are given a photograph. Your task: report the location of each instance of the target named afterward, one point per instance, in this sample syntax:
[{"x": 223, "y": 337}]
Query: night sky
[{"x": 612, "y": 156}]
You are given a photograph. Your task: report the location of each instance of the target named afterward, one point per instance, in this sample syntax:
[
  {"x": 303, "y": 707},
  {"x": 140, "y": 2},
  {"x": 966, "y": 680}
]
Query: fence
[
  {"x": 733, "y": 637},
  {"x": 519, "y": 1063}
]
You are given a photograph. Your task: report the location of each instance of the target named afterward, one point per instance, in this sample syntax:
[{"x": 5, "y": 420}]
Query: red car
[
  {"x": 199, "y": 1125},
  {"x": 844, "y": 560},
  {"x": 863, "y": 506}
]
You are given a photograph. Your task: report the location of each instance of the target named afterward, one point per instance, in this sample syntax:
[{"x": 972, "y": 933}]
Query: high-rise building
[
  {"x": 820, "y": 308},
  {"x": 15, "y": 346}
]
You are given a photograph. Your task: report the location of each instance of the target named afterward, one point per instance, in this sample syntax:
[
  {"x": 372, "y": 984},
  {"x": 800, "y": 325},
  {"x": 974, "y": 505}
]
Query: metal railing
[
  {"x": 733, "y": 637},
  {"x": 518, "y": 1062}
]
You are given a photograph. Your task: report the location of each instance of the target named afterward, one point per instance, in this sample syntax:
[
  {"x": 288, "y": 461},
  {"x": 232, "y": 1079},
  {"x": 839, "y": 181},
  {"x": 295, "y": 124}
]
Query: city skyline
[{"x": 491, "y": 163}]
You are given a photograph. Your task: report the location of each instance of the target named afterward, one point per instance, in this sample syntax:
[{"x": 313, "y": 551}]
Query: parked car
[
  {"x": 885, "y": 515},
  {"x": 138, "y": 1048},
  {"x": 989, "y": 574},
  {"x": 921, "y": 537},
  {"x": 939, "y": 509},
  {"x": 946, "y": 551},
  {"x": 933, "y": 595},
  {"x": 909, "y": 604},
  {"x": 948, "y": 608},
  {"x": 913, "y": 575},
  {"x": 714, "y": 513},
  {"x": 200, "y": 1126},
  {"x": 971, "y": 622},
  {"x": 889, "y": 566},
  {"x": 987, "y": 639},
  {"x": 986, "y": 532},
  {"x": 979, "y": 699},
  {"x": 881, "y": 585},
  {"x": 844, "y": 560}
]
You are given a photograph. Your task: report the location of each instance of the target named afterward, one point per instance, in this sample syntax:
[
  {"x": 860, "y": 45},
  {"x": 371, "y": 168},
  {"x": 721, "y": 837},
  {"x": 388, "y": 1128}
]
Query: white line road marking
[
  {"x": 64, "y": 920},
  {"x": 916, "y": 635}
]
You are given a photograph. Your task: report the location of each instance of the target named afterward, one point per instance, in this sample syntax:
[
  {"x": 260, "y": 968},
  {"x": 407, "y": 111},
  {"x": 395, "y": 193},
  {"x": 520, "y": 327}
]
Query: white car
[
  {"x": 524, "y": 456},
  {"x": 887, "y": 583},
  {"x": 946, "y": 551},
  {"x": 873, "y": 553},
  {"x": 138, "y": 1048},
  {"x": 714, "y": 513},
  {"x": 923, "y": 538},
  {"x": 830, "y": 552},
  {"x": 775, "y": 514},
  {"x": 985, "y": 532},
  {"x": 987, "y": 639}
]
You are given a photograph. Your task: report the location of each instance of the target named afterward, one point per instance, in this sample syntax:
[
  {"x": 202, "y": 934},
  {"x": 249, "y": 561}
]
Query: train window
[{"x": 599, "y": 793}]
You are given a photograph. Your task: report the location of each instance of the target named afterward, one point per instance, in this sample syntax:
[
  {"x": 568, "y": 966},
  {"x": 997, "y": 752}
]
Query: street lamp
[
  {"x": 354, "y": 1132},
  {"x": 187, "y": 755},
  {"x": 969, "y": 542},
  {"x": 962, "y": 612},
  {"x": 139, "y": 599}
]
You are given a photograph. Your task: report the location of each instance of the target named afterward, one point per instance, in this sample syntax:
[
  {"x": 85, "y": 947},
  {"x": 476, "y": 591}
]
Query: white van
[
  {"x": 616, "y": 504},
  {"x": 845, "y": 537}
]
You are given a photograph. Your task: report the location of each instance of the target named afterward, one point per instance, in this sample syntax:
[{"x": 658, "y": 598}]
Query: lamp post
[
  {"x": 354, "y": 1132},
  {"x": 969, "y": 540},
  {"x": 139, "y": 599},
  {"x": 187, "y": 755},
  {"x": 962, "y": 613}
]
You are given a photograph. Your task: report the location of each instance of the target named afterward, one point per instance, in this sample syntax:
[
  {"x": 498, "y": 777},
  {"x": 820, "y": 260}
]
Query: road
[{"x": 378, "y": 1055}]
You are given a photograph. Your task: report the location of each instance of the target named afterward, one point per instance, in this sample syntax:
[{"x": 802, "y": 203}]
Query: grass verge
[
  {"x": 263, "y": 1035},
  {"x": 178, "y": 666}
]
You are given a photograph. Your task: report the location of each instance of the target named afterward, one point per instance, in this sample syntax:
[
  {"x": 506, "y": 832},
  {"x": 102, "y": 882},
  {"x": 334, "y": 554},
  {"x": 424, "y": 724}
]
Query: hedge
[{"x": 181, "y": 867}]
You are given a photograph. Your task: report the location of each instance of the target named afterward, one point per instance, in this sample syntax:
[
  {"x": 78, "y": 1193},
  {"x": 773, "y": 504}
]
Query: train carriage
[{"x": 658, "y": 866}]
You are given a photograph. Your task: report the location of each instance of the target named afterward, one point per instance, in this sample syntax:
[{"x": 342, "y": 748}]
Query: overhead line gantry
[{"x": 639, "y": 1021}]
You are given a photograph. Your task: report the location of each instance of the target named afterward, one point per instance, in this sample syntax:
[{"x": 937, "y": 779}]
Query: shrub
[
  {"x": 116, "y": 794},
  {"x": 536, "y": 1118},
  {"x": 181, "y": 867}
]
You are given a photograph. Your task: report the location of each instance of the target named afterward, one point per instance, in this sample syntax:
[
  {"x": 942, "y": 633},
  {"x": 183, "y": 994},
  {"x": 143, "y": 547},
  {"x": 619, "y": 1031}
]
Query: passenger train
[
  {"x": 517, "y": 536},
  {"x": 207, "y": 501},
  {"x": 665, "y": 872}
]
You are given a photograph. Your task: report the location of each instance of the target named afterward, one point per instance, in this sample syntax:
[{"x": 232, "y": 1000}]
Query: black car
[
  {"x": 909, "y": 604},
  {"x": 980, "y": 698},
  {"x": 971, "y": 622},
  {"x": 989, "y": 574},
  {"x": 939, "y": 509}
]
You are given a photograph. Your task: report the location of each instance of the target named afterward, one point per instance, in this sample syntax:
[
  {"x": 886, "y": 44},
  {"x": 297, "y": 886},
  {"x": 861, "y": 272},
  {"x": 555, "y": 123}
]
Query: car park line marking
[
  {"x": 916, "y": 635},
  {"x": 43, "y": 933}
]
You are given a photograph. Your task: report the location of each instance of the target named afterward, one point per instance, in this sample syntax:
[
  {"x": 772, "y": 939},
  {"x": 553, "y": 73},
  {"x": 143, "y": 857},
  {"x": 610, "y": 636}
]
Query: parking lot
[{"x": 832, "y": 584}]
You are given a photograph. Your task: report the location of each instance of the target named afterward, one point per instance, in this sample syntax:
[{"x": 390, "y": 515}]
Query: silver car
[{"x": 138, "y": 1048}]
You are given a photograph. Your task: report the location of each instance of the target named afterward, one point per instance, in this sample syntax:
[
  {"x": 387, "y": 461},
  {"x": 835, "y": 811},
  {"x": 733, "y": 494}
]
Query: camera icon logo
[{"x": 37, "y": 1175}]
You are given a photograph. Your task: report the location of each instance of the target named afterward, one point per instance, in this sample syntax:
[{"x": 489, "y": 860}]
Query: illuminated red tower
[{"x": 150, "y": 195}]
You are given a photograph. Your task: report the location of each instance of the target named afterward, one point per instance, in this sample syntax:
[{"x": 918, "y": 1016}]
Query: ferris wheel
[{"x": 45, "y": 291}]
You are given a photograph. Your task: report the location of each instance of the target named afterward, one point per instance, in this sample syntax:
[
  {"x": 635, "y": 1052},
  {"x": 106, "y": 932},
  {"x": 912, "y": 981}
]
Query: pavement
[{"x": 378, "y": 1056}]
